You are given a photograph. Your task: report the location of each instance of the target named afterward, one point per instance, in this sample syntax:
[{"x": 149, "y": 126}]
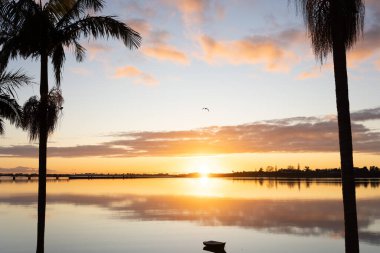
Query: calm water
[{"x": 176, "y": 215}]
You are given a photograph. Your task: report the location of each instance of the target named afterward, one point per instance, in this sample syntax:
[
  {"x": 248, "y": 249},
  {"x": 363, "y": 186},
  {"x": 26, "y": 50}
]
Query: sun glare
[
  {"x": 202, "y": 165},
  {"x": 203, "y": 171}
]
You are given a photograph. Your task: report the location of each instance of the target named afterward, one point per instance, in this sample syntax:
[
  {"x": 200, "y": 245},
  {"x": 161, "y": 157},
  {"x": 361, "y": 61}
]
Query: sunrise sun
[{"x": 202, "y": 165}]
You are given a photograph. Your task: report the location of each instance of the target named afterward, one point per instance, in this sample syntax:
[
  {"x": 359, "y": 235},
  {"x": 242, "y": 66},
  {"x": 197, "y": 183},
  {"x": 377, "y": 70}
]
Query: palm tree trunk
[
  {"x": 345, "y": 144},
  {"x": 42, "y": 154}
]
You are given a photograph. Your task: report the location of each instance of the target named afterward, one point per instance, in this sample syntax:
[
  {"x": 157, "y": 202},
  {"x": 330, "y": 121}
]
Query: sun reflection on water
[{"x": 205, "y": 186}]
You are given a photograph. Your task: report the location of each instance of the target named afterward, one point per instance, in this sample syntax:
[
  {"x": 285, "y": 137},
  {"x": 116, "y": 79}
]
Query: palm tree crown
[
  {"x": 327, "y": 18},
  {"x": 29, "y": 29}
]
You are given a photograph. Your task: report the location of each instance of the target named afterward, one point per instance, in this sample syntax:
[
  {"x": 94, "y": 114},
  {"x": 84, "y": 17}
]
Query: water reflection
[
  {"x": 301, "y": 208},
  {"x": 210, "y": 249},
  {"x": 309, "y": 217},
  {"x": 41, "y": 214},
  {"x": 307, "y": 182}
]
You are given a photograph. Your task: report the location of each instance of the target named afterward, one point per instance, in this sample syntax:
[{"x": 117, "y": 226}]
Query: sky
[{"x": 271, "y": 103}]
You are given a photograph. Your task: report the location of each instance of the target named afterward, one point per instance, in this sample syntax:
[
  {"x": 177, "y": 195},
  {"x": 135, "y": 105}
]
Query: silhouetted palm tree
[
  {"x": 334, "y": 26},
  {"x": 31, "y": 29},
  {"x": 9, "y": 108}
]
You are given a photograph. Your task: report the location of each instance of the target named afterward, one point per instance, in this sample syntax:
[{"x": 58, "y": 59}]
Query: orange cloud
[
  {"x": 254, "y": 50},
  {"x": 157, "y": 47},
  {"x": 140, "y": 25},
  {"x": 94, "y": 49},
  {"x": 359, "y": 55},
  {"x": 290, "y": 135},
  {"x": 378, "y": 64},
  {"x": 315, "y": 72},
  {"x": 195, "y": 11},
  {"x": 192, "y": 10},
  {"x": 139, "y": 76},
  {"x": 156, "y": 43},
  {"x": 166, "y": 52},
  {"x": 191, "y": 6},
  {"x": 367, "y": 46}
]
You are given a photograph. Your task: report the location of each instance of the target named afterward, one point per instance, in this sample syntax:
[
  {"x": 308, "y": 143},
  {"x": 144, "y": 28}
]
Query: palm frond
[
  {"x": 78, "y": 8},
  {"x": 6, "y": 22},
  {"x": 8, "y": 52},
  {"x": 1, "y": 127},
  {"x": 9, "y": 81},
  {"x": 327, "y": 18},
  {"x": 105, "y": 27},
  {"x": 32, "y": 113},
  {"x": 10, "y": 110},
  {"x": 57, "y": 59},
  {"x": 57, "y": 9},
  {"x": 31, "y": 119},
  {"x": 79, "y": 51}
]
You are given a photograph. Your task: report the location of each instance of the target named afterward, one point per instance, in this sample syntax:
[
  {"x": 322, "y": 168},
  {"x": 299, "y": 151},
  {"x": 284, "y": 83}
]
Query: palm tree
[
  {"x": 334, "y": 26},
  {"x": 9, "y": 108},
  {"x": 31, "y": 29}
]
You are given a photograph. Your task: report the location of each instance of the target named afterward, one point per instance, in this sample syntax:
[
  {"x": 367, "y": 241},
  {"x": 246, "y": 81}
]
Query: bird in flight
[{"x": 205, "y": 109}]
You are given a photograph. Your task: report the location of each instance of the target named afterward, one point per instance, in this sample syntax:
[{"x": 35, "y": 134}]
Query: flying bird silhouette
[{"x": 205, "y": 109}]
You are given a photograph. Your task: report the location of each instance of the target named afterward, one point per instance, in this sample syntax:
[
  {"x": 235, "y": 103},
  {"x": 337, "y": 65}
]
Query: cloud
[
  {"x": 140, "y": 25},
  {"x": 166, "y": 52},
  {"x": 314, "y": 72},
  {"x": 291, "y": 36},
  {"x": 80, "y": 71},
  {"x": 197, "y": 11},
  {"x": 156, "y": 43},
  {"x": 250, "y": 50},
  {"x": 192, "y": 6},
  {"x": 136, "y": 74},
  {"x": 21, "y": 169},
  {"x": 75, "y": 151},
  {"x": 19, "y": 151},
  {"x": 157, "y": 47},
  {"x": 368, "y": 45},
  {"x": 94, "y": 49},
  {"x": 135, "y": 7},
  {"x": 158, "y": 37},
  {"x": 367, "y": 114},
  {"x": 18, "y": 169},
  {"x": 318, "y": 217},
  {"x": 295, "y": 135}
]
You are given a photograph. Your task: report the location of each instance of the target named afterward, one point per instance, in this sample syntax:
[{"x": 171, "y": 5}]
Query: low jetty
[{"x": 34, "y": 176}]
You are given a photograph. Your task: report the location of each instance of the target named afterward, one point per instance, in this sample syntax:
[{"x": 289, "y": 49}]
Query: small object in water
[{"x": 214, "y": 244}]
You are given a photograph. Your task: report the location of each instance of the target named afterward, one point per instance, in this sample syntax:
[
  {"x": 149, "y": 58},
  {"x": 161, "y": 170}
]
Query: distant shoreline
[{"x": 360, "y": 173}]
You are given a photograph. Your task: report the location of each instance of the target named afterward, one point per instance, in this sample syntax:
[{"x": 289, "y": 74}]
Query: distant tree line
[{"x": 291, "y": 172}]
